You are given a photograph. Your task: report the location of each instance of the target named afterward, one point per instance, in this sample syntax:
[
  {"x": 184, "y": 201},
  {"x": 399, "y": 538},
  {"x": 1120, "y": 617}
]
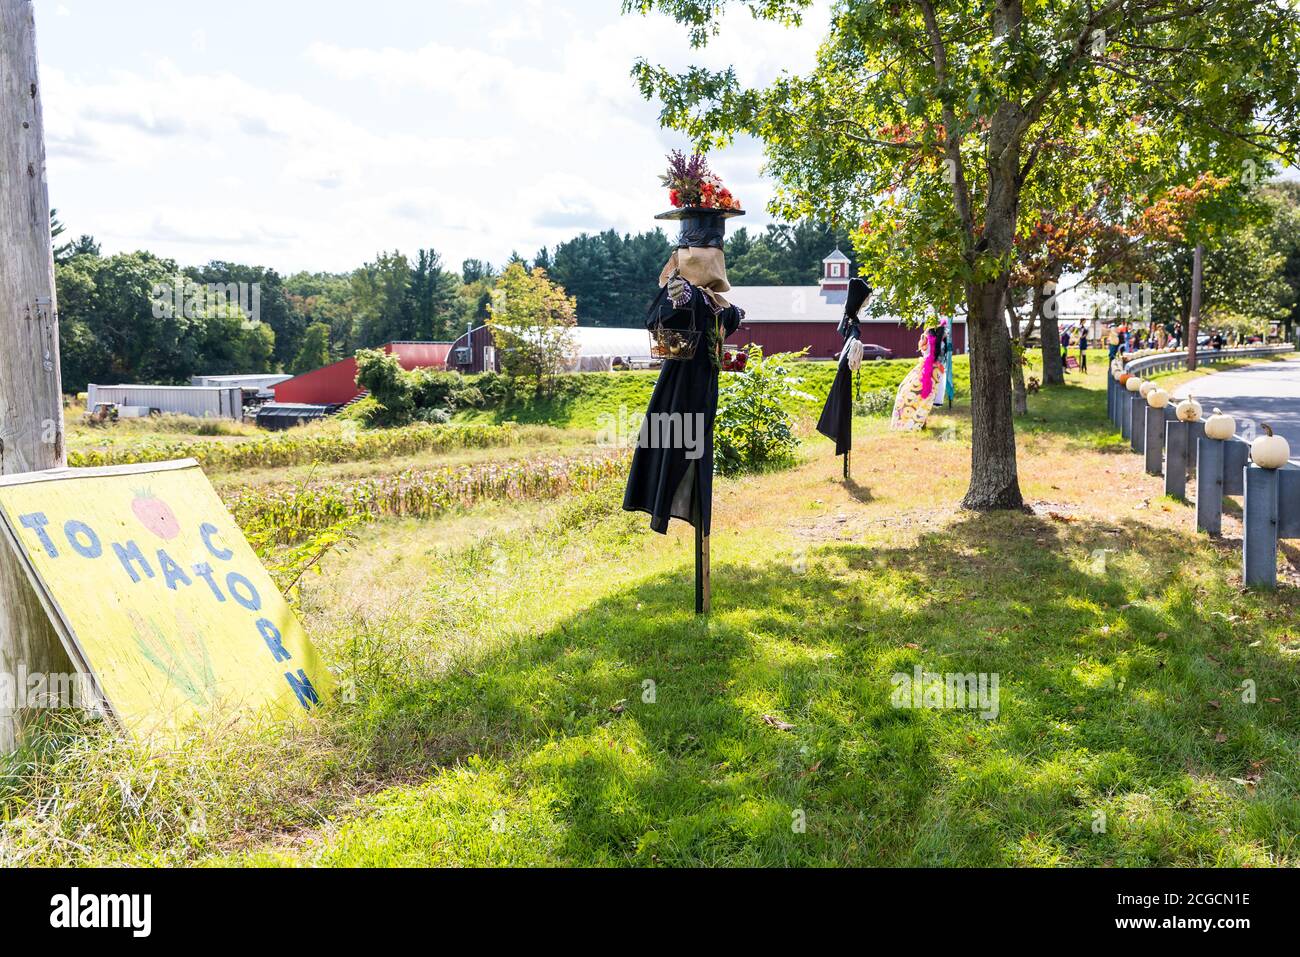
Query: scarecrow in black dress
[
  {"x": 836, "y": 422},
  {"x": 689, "y": 320}
]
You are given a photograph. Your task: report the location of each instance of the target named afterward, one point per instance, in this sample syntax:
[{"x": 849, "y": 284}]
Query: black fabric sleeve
[{"x": 732, "y": 317}]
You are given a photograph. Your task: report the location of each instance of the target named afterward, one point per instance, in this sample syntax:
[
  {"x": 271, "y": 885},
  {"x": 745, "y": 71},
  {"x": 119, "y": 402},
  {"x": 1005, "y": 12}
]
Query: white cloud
[{"x": 533, "y": 134}]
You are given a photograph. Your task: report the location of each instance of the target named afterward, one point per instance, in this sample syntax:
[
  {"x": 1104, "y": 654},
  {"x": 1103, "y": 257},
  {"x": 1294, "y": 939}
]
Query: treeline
[
  {"x": 138, "y": 317},
  {"x": 614, "y": 277}
]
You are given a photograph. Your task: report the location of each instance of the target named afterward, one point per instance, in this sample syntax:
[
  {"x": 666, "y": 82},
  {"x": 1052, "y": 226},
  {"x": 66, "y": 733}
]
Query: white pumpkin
[
  {"x": 1189, "y": 410},
  {"x": 1146, "y": 387},
  {"x": 1220, "y": 426},
  {"x": 1270, "y": 451},
  {"x": 1133, "y": 383},
  {"x": 1157, "y": 398}
]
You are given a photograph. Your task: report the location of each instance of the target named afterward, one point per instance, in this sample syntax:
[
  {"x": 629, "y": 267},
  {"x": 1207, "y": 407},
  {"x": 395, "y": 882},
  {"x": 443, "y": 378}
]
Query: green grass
[
  {"x": 501, "y": 715},
  {"x": 585, "y": 398},
  {"x": 551, "y": 753}
]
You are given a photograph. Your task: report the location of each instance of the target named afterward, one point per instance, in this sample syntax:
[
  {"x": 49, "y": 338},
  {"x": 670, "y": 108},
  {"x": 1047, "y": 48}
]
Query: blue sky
[{"x": 309, "y": 135}]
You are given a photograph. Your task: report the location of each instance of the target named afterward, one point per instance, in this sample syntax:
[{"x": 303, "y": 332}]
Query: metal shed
[{"x": 199, "y": 401}]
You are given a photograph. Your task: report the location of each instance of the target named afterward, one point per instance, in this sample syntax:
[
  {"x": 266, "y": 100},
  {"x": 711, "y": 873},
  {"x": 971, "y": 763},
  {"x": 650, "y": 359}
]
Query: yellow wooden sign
[{"x": 158, "y": 596}]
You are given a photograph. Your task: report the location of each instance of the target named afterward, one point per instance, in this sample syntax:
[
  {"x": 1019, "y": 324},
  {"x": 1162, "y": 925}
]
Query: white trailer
[
  {"x": 262, "y": 382},
  {"x": 203, "y": 402}
]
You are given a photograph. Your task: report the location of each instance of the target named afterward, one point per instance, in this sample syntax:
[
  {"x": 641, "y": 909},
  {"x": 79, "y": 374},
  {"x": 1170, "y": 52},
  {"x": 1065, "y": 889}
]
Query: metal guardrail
[
  {"x": 1271, "y": 497},
  {"x": 1118, "y": 404}
]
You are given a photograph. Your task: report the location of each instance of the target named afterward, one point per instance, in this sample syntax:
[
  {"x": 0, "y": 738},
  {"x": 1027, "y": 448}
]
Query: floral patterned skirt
[{"x": 910, "y": 410}]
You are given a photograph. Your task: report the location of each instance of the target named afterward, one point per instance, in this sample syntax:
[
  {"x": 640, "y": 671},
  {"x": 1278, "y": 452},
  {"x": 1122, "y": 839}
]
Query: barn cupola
[{"x": 835, "y": 272}]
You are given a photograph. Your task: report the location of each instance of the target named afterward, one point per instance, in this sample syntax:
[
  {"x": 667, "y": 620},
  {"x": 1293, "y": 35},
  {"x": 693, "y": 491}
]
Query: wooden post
[
  {"x": 31, "y": 400},
  {"x": 1194, "y": 320},
  {"x": 703, "y": 599}
]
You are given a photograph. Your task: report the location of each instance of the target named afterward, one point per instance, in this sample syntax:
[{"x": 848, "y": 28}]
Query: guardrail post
[
  {"x": 1178, "y": 439},
  {"x": 1137, "y": 429},
  {"x": 1259, "y": 538},
  {"x": 1209, "y": 486},
  {"x": 1236, "y": 456},
  {"x": 1154, "y": 441}
]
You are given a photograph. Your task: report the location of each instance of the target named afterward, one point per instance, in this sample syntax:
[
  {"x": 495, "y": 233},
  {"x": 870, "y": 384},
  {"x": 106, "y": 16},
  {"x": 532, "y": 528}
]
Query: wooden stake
[
  {"x": 703, "y": 598},
  {"x": 31, "y": 399}
]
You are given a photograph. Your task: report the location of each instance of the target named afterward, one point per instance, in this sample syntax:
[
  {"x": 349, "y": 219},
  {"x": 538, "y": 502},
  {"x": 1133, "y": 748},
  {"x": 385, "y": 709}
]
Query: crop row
[
  {"x": 286, "y": 450},
  {"x": 292, "y": 514}
]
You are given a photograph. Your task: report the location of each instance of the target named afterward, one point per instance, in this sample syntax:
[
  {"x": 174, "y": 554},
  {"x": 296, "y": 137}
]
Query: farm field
[{"x": 525, "y": 682}]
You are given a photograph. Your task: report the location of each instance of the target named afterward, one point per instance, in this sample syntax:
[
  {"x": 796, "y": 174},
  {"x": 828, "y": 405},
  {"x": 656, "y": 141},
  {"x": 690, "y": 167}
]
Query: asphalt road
[{"x": 1266, "y": 392}]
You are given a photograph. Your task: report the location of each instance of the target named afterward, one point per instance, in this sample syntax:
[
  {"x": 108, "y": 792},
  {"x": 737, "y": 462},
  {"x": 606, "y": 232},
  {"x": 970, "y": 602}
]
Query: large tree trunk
[
  {"x": 993, "y": 480},
  {"x": 1053, "y": 367},
  {"x": 1019, "y": 398}
]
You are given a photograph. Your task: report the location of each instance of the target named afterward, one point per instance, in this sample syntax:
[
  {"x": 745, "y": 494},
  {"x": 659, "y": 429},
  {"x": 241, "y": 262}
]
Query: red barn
[
  {"x": 790, "y": 318},
  {"x": 336, "y": 384}
]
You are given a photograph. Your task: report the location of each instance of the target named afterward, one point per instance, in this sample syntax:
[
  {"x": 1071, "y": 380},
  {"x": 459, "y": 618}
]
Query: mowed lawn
[{"x": 528, "y": 685}]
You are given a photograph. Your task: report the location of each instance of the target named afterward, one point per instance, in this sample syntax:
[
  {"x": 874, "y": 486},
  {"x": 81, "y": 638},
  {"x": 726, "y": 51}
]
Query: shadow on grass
[
  {"x": 767, "y": 736},
  {"x": 857, "y": 491}
]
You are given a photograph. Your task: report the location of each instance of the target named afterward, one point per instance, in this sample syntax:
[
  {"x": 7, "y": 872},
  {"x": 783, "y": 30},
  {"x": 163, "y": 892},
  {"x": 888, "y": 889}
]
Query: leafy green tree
[
  {"x": 83, "y": 356},
  {"x": 1245, "y": 284},
  {"x": 315, "y": 351},
  {"x": 1284, "y": 237},
  {"x": 925, "y": 120},
  {"x": 754, "y": 432},
  {"x": 476, "y": 270},
  {"x": 382, "y": 375},
  {"x": 262, "y": 289},
  {"x": 531, "y": 318},
  {"x": 379, "y": 297},
  {"x": 613, "y": 277},
  {"x": 433, "y": 300},
  {"x": 753, "y": 262},
  {"x": 324, "y": 298}
]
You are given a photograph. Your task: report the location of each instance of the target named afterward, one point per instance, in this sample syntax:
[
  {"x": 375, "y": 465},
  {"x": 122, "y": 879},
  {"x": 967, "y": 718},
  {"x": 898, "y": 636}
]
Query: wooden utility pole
[
  {"x": 31, "y": 398},
  {"x": 1194, "y": 320}
]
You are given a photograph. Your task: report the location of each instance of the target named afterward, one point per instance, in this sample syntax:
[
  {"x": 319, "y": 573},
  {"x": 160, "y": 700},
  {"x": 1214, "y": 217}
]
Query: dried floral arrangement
[{"x": 691, "y": 183}]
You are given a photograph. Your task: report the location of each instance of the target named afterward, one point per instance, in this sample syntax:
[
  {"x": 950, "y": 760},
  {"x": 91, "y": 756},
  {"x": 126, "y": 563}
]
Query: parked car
[{"x": 871, "y": 352}]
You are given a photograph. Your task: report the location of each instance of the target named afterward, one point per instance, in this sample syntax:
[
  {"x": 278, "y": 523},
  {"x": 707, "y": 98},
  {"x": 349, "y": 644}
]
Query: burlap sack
[{"x": 700, "y": 266}]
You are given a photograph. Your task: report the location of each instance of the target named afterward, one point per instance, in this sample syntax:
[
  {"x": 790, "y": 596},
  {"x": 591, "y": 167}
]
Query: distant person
[
  {"x": 1112, "y": 344},
  {"x": 1065, "y": 348},
  {"x": 1083, "y": 349}
]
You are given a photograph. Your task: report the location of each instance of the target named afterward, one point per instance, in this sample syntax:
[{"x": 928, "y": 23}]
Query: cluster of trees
[
  {"x": 614, "y": 277},
  {"x": 1111, "y": 234},
  {"x": 949, "y": 129},
  {"x": 112, "y": 328}
]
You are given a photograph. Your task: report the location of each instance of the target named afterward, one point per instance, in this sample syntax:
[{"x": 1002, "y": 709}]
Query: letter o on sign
[
  {"x": 250, "y": 599},
  {"x": 83, "y": 539}
]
